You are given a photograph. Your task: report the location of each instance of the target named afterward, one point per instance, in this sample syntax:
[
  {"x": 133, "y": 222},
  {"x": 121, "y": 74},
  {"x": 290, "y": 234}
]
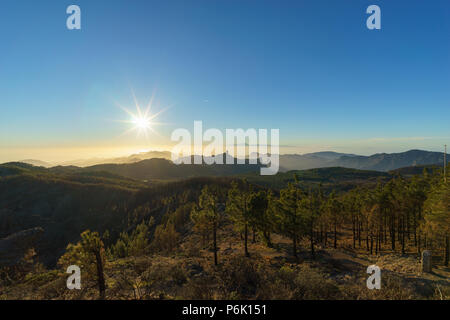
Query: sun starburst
[{"x": 143, "y": 121}]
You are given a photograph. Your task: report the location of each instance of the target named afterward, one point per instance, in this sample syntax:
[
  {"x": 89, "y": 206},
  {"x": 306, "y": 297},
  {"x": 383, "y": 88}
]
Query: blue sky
[{"x": 310, "y": 68}]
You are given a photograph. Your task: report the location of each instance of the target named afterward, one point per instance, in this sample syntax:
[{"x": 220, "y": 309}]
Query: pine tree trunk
[
  {"x": 415, "y": 229},
  {"x": 371, "y": 244},
  {"x": 407, "y": 226},
  {"x": 266, "y": 235},
  {"x": 100, "y": 275},
  {"x": 380, "y": 238},
  {"x": 354, "y": 233},
  {"x": 447, "y": 249},
  {"x": 367, "y": 238},
  {"x": 312, "y": 241},
  {"x": 246, "y": 240},
  {"x": 418, "y": 245},
  {"x": 393, "y": 237},
  {"x": 376, "y": 244},
  {"x": 335, "y": 235},
  {"x": 215, "y": 243},
  {"x": 386, "y": 228},
  {"x": 294, "y": 245},
  {"x": 403, "y": 237},
  {"x": 359, "y": 233}
]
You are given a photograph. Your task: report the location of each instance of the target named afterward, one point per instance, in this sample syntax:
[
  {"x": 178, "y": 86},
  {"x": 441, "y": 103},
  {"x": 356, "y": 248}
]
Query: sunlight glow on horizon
[{"x": 60, "y": 154}]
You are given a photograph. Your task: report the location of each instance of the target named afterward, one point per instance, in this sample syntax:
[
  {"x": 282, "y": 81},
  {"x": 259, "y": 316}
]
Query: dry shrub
[
  {"x": 192, "y": 248},
  {"x": 441, "y": 292},
  {"x": 399, "y": 263},
  {"x": 200, "y": 288},
  {"x": 307, "y": 283},
  {"x": 240, "y": 277},
  {"x": 164, "y": 276},
  {"x": 392, "y": 288},
  {"x": 244, "y": 278},
  {"x": 57, "y": 289},
  {"x": 166, "y": 238}
]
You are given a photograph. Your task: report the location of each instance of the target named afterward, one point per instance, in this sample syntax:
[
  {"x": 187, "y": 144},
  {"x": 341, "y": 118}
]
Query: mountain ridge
[{"x": 379, "y": 161}]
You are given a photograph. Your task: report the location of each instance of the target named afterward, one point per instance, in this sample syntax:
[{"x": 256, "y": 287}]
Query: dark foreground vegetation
[{"x": 298, "y": 235}]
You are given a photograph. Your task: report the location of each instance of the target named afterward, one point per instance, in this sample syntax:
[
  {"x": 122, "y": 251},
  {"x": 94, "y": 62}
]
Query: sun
[{"x": 143, "y": 122}]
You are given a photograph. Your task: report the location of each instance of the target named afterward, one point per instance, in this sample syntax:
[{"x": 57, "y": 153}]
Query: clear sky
[{"x": 310, "y": 68}]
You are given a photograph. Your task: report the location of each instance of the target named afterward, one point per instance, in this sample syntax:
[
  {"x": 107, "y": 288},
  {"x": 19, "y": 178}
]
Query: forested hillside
[{"x": 297, "y": 235}]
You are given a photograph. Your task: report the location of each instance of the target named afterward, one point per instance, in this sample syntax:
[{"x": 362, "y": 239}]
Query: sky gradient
[{"x": 309, "y": 68}]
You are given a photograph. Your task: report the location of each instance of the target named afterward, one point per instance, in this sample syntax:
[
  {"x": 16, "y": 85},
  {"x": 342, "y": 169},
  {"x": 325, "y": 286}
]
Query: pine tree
[
  {"x": 291, "y": 223},
  {"x": 89, "y": 255},
  {"x": 334, "y": 211},
  {"x": 310, "y": 208},
  {"x": 207, "y": 215},
  {"x": 238, "y": 207},
  {"x": 437, "y": 215},
  {"x": 260, "y": 214}
]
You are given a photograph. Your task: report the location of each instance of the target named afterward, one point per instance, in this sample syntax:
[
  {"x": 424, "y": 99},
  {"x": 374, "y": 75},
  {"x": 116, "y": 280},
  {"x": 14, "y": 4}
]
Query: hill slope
[
  {"x": 35, "y": 197},
  {"x": 162, "y": 169},
  {"x": 334, "y": 177},
  {"x": 377, "y": 162}
]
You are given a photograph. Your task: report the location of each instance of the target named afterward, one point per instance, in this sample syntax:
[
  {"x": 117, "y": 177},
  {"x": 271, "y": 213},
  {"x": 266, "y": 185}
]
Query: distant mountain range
[
  {"x": 95, "y": 161},
  {"x": 120, "y": 160},
  {"x": 378, "y": 162},
  {"x": 37, "y": 163},
  {"x": 310, "y": 160},
  {"x": 161, "y": 167}
]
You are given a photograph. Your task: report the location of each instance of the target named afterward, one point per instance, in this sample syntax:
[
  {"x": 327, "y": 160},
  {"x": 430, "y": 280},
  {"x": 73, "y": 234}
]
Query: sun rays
[{"x": 143, "y": 121}]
